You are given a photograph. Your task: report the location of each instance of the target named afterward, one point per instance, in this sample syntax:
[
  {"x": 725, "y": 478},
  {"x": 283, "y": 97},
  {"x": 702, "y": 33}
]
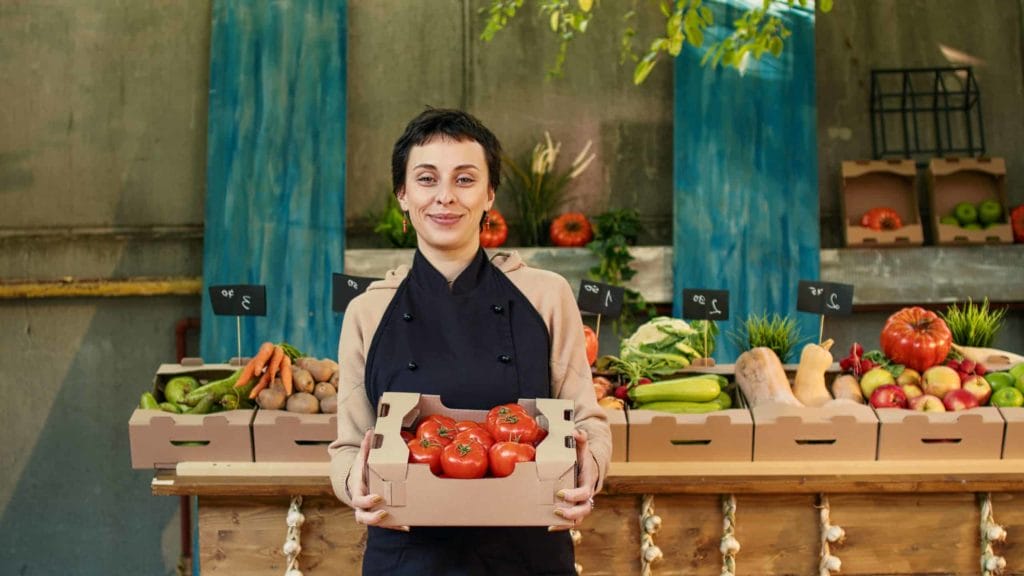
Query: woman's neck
[{"x": 450, "y": 263}]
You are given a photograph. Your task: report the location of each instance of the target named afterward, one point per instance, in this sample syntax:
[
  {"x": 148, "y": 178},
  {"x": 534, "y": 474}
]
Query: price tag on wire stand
[
  {"x": 239, "y": 300},
  {"x": 345, "y": 288},
  {"x": 710, "y": 305},
  {"x": 824, "y": 299},
  {"x": 600, "y": 299}
]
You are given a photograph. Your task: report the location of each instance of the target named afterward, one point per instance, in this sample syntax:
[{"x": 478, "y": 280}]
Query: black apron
[{"x": 477, "y": 344}]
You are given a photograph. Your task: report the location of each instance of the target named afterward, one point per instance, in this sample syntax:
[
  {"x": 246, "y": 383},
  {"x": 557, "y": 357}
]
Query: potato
[
  {"x": 323, "y": 390},
  {"x": 277, "y": 384},
  {"x": 321, "y": 370},
  {"x": 302, "y": 380},
  {"x": 334, "y": 379},
  {"x": 329, "y": 404},
  {"x": 303, "y": 403},
  {"x": 271, "y": 399}
]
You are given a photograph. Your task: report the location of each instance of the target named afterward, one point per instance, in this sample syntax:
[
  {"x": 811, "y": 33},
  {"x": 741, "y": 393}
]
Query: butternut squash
[
  {"x": 846, "y": 387},
  {"x": 809, "y": 384},
  {"x": 761, "y": 377}
]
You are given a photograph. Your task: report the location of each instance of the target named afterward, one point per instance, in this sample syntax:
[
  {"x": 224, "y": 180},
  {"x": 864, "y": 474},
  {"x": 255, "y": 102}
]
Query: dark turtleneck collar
[{"x": 429, "y": 278}]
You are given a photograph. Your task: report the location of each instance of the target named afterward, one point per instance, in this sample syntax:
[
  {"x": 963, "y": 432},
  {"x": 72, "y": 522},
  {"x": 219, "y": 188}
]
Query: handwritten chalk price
[
  {"x": 825, "y": 298},
  {"x": 345, "y": 288},
  {"x": 239, "y": 300},
  {"x": 705, "y": 304},
  {"x": 598, "y": 298}
]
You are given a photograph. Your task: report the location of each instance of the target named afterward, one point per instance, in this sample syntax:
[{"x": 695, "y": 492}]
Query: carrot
[
  {"x": 265, "y": 353},
  {"x": 286, "y": 374},
  {"x": 247, "y": 374},
  {"x": 275, "y": 360},
  {"x": 263, "y": 383}
]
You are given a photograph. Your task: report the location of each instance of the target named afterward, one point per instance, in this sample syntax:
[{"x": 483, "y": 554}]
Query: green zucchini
[
  {"x": 703, "y": 388},
  {"x": 148, "y": 402},
  {"x": 681, "y": 407},
  {"x": 217, "y": 388},
  {"x": 178, "y": 387}
]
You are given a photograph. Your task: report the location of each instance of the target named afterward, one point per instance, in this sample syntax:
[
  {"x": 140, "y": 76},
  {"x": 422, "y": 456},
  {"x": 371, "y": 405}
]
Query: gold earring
[{"x": 405, "y": 225}]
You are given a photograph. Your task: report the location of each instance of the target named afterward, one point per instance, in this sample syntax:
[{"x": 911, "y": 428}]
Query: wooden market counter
[{"x": 908, "y": 517}]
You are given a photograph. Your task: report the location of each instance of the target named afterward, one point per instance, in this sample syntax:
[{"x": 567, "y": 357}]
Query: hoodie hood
[{"x": 505, "y": 261}]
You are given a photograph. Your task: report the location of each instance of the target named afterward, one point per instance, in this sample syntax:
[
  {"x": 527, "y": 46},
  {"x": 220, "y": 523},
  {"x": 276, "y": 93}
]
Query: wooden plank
[
  {"x": 610, "y": 544},
  {"x": 1008, "y": 511},
  {"x": 690, "y": 535},
  {"x": 245, "y": 536},
  {"x": 907, "y": 533}
]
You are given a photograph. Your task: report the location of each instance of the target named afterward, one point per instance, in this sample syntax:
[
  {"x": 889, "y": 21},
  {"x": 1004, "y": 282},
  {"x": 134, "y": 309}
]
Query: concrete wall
[{"x": 102, "y": 166}]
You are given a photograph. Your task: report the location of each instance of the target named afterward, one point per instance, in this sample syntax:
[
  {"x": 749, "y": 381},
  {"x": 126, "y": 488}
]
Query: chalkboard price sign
[
  {"x": 825, "y": 298},
  {"x": 598, "y": 298},
  {"x": 345, "y": 288},
  {"x": 705, "y": 304},
  {"x": 239, "y": 300}
]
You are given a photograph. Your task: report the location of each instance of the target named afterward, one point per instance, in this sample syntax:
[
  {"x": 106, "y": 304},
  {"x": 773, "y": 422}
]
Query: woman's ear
[
  {"x": 490, "y": 197},
  {"x": 400, "y": 195}
]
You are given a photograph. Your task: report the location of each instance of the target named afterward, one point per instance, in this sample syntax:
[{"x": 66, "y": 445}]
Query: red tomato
[
  {"x": 407, "y": 435},
  {"x": 426, "y": 451},
  {"x": 515, "y": 427},
  {"x": 881, "y": 219},
  {"x": 542, "y": 433},
  {"x": 916, "y": 338},
  {"x": 463, "y": 425},
  {"x": 571, "y": 229},
  {"x": 441, "y": 419},
  {"x": 498, "y": 411},
  {"x": 590, "y": 337},
  {"x": 464, "y": 460},
  {"x": 505, "y": 455},
  {"x": 495, "y": 232},
  {"x": 1017, "y": 223},
  {"x": 477, "y": 434},
  {"x": 433, "y": 430}
]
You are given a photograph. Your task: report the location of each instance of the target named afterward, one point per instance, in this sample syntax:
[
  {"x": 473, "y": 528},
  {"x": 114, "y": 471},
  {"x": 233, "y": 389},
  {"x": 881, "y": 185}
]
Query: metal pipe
[{"x": 77, "y": 288}]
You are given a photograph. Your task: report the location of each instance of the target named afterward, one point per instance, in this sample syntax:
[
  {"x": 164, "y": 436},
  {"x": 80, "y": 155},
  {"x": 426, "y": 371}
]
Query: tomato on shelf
[
  {"x": 495, "y": 230},
  {"x": 881, "y": 218},
  {"x": 916, "y": 338},
  {"x": 571, "y": 229},
  {"x": 590, "y": 337}
]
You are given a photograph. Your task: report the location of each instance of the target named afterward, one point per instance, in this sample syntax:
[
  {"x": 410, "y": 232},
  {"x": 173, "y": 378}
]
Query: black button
[
  {"x": 407, "y": 317},
  {"x": 504, "y": 358},
  {"x": 498, "y": 308},
  {"x": 412, "y": 365}
]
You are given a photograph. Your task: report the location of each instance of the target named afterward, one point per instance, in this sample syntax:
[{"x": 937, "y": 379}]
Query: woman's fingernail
[
  {"x": 559, "y": 513},
  {"x": 561, "y": 494},
  {"x": 376, "y": 500},
  {"x": 382, "y": 514}
]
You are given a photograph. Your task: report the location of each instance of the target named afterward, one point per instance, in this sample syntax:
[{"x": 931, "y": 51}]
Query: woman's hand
[
  {"x": 362, "y": 502},
  {"x": 579, "y": 502}
]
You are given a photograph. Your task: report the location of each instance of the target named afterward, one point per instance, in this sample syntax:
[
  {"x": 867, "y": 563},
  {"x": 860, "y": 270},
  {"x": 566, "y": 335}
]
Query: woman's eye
[
  {"x": 425, "y": 179},
  {"x": 465, "y": 180}
]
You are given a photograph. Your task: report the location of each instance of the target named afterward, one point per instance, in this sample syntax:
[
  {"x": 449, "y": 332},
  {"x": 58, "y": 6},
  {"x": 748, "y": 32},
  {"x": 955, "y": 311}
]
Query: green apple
[
  {"x": 874, "y": 378},
  {"x": 949, "y": 221},
  {"x": 1017, "y": 370},
  {"x": 965, "y": 213},
  {"x": 973, "y": 226},
  {"x": 1008, "y": 398},
  {"x": 1019, "y": 383},
  {"x": 1000, "y": 380},
  {"x": 990, "y": 212}
]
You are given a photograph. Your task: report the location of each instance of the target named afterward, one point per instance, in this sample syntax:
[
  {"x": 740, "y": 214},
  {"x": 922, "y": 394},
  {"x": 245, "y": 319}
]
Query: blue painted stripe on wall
[
  {"x": 275, "y": 193},
  {"x": 746, "y": 178}
]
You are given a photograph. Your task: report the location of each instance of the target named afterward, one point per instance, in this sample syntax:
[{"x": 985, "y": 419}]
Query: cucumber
[
  {"x": 681, "y": 407},
  {"x": 178, "y": 387},
  {"x": 703, "y": 388},
  {"x": 170, "y": 407},
  {"x": 148, "y": 402},
  {"x": 203, "y": 406}
]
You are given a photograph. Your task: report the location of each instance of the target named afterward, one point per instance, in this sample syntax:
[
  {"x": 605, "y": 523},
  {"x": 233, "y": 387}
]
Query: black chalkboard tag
[
  {"x": 705, "y": 304},
  {"x": 239, "y": 300},
  {"x": 344, "y": 288},
  {"x": 598, "y": 298},
  {"x": 825, "y": 298}
]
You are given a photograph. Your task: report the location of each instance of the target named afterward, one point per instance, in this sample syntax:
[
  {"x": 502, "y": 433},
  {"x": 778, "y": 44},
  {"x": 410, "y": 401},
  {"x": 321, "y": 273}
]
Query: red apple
[
  {"x": 889, "y": 396},
  {"x": 978, "y": 386},
  {"x": 927, "y": 403},
  {"x": 939, "y": 380},
  {"x": 959, "y": 399}
]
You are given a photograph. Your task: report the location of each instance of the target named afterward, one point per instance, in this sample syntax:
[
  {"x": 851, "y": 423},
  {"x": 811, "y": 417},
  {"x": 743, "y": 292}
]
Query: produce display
[
  {"x": 881, "y": 218},
  {"x": 978, "y": 216},
  {"x": 189, "y": 395},
  {"x": 468, "y": 449}
]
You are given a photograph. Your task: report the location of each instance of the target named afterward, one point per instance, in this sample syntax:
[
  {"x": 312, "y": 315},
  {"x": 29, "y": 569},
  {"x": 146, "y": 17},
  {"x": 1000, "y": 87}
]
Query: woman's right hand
[{"x": 362, "y": 502}]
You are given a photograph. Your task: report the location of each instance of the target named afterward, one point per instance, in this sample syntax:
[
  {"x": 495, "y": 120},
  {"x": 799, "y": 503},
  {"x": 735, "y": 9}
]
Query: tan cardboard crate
[
  {"x": 282, "y": 436},
  {"x": 837, "y": 432},
  {"x": 617, "y": 421},
  {"x": 871, "y": 184},
  {"x": 955, "y": 180},
  {"x": 413, "y": 496},
  {"x": 726, "y": 435},
  {"x": 156, "y": 437},
  {"x": 1013, "y": 440},
  {"x": 974, "y": 434}
]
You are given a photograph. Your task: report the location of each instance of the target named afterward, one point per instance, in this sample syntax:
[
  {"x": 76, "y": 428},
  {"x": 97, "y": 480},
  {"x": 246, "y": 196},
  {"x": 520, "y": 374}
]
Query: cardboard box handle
[
  {"x": 941, "y": 440},
  {"x": 189, "y": 443},
  {"x": 690, "y": 442},
  {"x": 816, "y": 442}
]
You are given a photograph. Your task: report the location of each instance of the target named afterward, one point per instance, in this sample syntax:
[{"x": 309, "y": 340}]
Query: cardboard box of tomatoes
[
  {"x": 459, "y": 493},
  {"x": 879, "y": 203},
  {"x": 161, "y": 439}
]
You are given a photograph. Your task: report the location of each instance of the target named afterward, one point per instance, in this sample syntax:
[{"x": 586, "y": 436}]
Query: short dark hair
[{"x": 448, "y": 123}]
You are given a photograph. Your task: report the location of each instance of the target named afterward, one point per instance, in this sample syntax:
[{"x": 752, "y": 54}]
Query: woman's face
[{"x": 446, "y": 191}]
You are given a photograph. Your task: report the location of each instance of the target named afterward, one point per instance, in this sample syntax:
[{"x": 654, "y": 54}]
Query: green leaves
[{"x": 614, "y": 232}]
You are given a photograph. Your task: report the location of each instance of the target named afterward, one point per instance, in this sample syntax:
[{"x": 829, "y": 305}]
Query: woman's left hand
[{"x": 577, "y": 503}]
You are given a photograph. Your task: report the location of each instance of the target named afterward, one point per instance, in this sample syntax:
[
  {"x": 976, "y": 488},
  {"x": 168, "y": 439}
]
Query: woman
[{"x": 479, "y": 333}]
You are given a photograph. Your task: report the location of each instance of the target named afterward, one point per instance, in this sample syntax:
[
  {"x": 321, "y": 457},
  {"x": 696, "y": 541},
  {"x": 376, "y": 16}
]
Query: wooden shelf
[{"x": 965, "y": 476}]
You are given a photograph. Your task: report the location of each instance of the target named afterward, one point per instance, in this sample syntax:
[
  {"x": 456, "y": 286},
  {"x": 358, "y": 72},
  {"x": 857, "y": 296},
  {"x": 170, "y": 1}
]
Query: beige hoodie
[{"x": 549, "y": 293}]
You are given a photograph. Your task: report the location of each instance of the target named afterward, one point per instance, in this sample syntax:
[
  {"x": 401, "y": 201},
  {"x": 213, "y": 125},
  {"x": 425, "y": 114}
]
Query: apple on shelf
[
  {"x": 927, "y": 403},
  {"x": 888, "y": 396},
  {"x": 960, "y": 399},
  {"x": 939, "y": 381}
]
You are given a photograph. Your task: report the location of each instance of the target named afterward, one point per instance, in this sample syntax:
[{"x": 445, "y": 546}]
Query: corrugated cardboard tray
[
  {"x": 282, "y": 436},
  {"x": 845, "y": 431},
  {"x": 974, "y": 434},
  {"x": 161, "y": 439},
  {"x": 871, "y": 184},
  {"x": 955, "y": 180},
  {"x": 413, "y": 496},
  {"x": 618, "y": 422},
  {"x": 726, "y": 435},
  {"x": 1013, "y": 439}
]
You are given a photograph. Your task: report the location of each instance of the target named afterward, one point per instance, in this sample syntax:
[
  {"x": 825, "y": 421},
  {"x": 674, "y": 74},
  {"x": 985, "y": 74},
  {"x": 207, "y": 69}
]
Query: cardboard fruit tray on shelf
[
  {"x": 975, "y": 434},
  {"x": 868, "y": 184},
  {"x": 161, "y": 439},
  {"x": 413, "y": 496},
  {"x": 974, "y": 180},
  {"x": 282, "y": 436}
]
